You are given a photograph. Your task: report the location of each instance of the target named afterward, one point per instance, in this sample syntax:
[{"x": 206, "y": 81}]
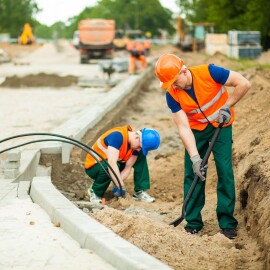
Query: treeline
[
  {"x": 245, "y": 15},
  {"x": 15, "y": 13},
  {"x": 149, "y": 16}
]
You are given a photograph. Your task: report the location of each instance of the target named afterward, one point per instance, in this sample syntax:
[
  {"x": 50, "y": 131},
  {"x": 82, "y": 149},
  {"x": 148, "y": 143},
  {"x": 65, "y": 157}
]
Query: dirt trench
[{"x": 146, "y": 225}]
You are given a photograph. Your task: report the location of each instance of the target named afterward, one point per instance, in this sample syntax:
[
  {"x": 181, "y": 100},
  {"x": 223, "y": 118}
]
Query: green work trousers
[
  {"x": 222, "y": 152},
  {"x": 102, "y": 180}
]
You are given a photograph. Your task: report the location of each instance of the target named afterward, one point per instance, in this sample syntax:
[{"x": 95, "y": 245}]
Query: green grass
[{"x": 244, "y": 64}]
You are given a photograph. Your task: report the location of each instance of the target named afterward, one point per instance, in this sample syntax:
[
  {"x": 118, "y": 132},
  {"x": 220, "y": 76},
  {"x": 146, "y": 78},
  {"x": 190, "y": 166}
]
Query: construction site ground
[{"x": 146, "y": 225}]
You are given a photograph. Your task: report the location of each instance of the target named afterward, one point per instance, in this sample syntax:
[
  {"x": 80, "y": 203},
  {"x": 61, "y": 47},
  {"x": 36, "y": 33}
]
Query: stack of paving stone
[
  {"x": 244, "y": 44},
  {"x": 12, "y": 164}
]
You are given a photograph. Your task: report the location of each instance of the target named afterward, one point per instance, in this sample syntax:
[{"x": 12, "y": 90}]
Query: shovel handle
[
  {"x": 177, "y": 221},
  {"x": 211, "y": 145}
]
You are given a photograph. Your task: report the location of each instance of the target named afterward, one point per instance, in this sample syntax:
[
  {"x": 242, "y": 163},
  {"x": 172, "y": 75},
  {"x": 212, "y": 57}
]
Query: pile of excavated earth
[{"x": 146, "y": 225}]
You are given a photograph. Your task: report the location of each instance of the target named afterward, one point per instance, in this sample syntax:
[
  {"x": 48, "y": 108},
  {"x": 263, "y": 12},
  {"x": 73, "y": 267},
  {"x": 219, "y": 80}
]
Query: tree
[
  {"x": 43, "y": 31},
  {"x": 57, "y": 30},
  {"x": 257, "y": 18},
  {"x": 15, "y": 13},
  {"x": 242, "y": 15},
  {"x": 135, "y": 14}
]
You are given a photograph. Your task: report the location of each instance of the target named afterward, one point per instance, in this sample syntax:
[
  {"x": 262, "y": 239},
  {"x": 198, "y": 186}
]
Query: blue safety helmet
[{"x": 150, "y": 140}]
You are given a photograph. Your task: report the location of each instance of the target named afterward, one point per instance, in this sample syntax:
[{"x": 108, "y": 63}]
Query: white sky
[{"x": 61, "y": 10}]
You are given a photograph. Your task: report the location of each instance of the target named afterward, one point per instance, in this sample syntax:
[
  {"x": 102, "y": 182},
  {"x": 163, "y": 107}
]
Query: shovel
[{"x": 177, "y": 221}]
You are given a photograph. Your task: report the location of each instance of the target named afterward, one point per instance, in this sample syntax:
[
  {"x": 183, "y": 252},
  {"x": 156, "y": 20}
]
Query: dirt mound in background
[
  {"x": 58, "y": 52},
  {"x": 264, "y": 59},
  {"x": 16, "y": 50},
  {"x": 39, "y": 80},
  {"x": 221, "y": 60}
]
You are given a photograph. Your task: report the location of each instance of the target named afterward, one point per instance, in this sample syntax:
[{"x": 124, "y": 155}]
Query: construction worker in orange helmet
[
  {"x": 199, "y": 101},
  {"x": 147, "y": 46},
  {"x": 137, "y": 53},
  {"x": 123, "y": 148}
]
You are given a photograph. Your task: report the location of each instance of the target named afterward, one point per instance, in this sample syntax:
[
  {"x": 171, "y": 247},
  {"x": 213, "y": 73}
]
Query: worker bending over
[{"x": 124, "y": 149}]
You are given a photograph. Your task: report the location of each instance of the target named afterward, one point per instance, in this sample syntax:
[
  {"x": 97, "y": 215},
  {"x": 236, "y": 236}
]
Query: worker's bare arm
[
  {"x": 185, "y": 133},
  {"x": 113, "y": 155},
  {"x": 129, "y": 164},
  {"x": 241, "y": 86}
]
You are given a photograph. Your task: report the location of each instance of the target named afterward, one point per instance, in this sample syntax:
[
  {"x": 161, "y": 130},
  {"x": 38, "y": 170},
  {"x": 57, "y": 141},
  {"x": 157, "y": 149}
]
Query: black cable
[
  {"x": 76, "y": 143},
  {"x": 202, "y": 110},
  {"x": 196, "y": 100},
  {"x": 67, "y": 138},
  {"x": 55, "y": 140}
]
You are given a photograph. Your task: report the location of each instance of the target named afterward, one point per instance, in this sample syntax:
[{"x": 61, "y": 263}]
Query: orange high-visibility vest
[
  {"x": 130, "y": 45},
  {"x": 211, "y": 96},
  {"x": 100, "y": 147},
  {"x": 147, "y": 44},
  {"x": 139, "y": 46}
]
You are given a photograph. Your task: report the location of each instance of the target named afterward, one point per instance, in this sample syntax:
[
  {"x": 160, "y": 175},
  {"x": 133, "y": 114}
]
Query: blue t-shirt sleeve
[
  {"x": 115, "y": 139},
  {"x": 172, "y": 103},
  {"x": 219, "y": 74}
]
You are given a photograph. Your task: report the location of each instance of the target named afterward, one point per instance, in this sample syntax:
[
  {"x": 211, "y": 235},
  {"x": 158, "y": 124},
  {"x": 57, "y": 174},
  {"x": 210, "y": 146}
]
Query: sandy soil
[
  {"x": 17, "y": 51},
  {"x": 146, "y": 225}
]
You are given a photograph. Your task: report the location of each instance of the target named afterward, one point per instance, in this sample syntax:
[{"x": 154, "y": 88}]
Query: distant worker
[
  {"x": 136, "y": 52},
  {"x": 26, "y": 36},
  {"x": 147, "y": 46},
  {"x": 124, "y": 149},
  {"x": 147, "y": 42},
  {"x": 199, "y": 101}
]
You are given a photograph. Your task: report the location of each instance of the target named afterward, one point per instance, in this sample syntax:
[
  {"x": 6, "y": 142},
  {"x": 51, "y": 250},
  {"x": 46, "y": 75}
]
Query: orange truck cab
[{"x": 96, "y": 39}]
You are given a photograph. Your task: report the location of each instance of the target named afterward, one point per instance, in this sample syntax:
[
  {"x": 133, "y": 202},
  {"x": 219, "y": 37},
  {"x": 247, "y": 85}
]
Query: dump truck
[{"x": 96, "y": 39}]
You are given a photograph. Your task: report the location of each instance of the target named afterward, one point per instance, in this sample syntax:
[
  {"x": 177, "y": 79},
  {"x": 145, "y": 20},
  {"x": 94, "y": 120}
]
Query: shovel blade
[{"x": 177, "y": 221}]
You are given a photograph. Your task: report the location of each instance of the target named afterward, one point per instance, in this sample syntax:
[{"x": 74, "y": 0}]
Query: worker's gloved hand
[
  {"x": 224, "y": 114},
  {"x": 117, "y": 192},
  {"x": 197, "y": 167}
]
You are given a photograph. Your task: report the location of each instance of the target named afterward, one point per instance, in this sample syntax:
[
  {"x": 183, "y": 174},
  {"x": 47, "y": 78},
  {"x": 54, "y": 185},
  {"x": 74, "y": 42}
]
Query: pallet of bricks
[
  {"x": 244, "y": 44},
  {"x": 216, "y": 43}
]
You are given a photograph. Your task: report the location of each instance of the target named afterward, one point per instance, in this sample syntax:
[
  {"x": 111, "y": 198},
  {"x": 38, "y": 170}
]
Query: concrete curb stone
[{"x": 88, "y": 232}]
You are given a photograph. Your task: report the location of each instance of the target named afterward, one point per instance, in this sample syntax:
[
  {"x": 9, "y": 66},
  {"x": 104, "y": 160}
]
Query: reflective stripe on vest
[
  {"x": 210, "y": 103},
  {"x": 210, "y": 117},
  {"x": 100, "y": 147}
]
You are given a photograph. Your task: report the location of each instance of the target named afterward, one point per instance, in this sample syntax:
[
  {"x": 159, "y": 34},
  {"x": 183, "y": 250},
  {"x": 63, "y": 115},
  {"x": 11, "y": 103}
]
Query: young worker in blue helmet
[{"x": 124, "y": 149}]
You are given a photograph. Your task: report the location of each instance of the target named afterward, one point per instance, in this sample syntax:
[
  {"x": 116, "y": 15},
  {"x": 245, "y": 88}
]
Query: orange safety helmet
[{"x": 167, "y": 69}]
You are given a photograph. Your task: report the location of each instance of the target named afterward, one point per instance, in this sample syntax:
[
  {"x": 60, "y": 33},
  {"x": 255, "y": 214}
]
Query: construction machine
[
  {"x": 96, "y": 39},
  {"x": 200, "y": 31},
  {"x": 26, "y": 36},
  {"x": 192, "y": 36},
  {"x": 120, "y": 40}
]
